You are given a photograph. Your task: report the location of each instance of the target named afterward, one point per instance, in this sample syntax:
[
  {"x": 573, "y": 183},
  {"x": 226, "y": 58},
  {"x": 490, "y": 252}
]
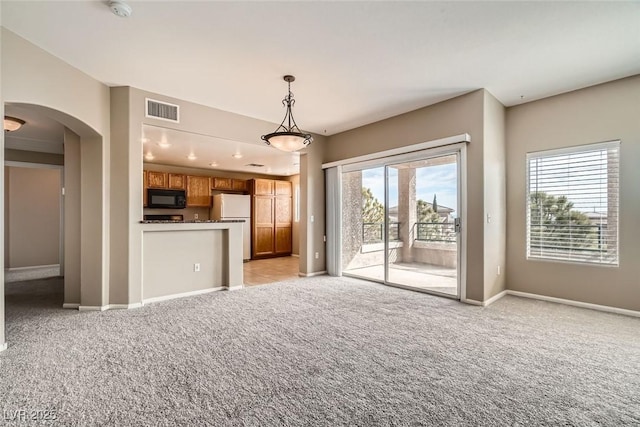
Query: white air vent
[{"x": 162, "y": 110}]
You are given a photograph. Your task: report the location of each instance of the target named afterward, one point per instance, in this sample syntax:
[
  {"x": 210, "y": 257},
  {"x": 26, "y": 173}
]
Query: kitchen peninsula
[{"x": 182, "y": 258}]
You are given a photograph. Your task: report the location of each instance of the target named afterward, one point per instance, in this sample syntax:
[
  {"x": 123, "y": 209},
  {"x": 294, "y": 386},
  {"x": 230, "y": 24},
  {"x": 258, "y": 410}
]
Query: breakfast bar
[{"x": 182, "y": 258}]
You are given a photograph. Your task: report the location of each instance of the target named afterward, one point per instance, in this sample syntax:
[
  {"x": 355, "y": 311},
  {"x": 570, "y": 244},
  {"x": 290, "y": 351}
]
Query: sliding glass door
[{"x": 401, "y": 221}]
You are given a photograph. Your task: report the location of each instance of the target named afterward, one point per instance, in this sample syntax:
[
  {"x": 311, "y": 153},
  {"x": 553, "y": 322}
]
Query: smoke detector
[{"x": 120, "y": 8}]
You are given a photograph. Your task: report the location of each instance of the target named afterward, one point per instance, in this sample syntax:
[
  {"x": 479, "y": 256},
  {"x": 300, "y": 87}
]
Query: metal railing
[
  {"x": 590, "y": 237},
  {"x": 443, "y": 232},
  {"x": 372, "y": 232}
]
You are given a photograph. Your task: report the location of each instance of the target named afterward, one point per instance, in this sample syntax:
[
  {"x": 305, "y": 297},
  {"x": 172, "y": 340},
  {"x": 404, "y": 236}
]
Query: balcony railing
[
  {"x": 443, "y": 232},
  {"x": 372, "y": 232}
]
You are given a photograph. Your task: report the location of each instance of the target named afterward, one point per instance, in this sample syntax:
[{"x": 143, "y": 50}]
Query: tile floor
[{"x": 262, "y": 271}]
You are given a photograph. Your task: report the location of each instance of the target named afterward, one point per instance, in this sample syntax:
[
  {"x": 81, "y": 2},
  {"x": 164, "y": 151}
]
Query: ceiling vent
[
  {"x": 255, "y": 165},
  {"x": 162, "y": 110}
]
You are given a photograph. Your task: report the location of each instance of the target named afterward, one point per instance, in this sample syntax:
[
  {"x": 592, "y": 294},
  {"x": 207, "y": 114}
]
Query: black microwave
[{"x": 166, "y": 199}]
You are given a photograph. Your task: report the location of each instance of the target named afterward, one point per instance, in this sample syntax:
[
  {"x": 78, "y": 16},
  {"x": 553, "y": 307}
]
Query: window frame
[{"x": 583, "y": 148}]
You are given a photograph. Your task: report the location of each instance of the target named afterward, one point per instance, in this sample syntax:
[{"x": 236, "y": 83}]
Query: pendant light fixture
[{"x": 288, "y": 136}]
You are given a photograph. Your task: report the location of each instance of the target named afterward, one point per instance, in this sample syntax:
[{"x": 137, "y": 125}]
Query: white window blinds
[{"x": 572, "y": 204}]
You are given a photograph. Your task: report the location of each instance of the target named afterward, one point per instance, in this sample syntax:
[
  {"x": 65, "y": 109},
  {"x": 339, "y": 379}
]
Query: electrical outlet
[
  {"x": 499, "y": 270},
  {"x": 196, "y": 267},
  {"x": 317, "y": 255},
  {"x": 195, "y": 216}
]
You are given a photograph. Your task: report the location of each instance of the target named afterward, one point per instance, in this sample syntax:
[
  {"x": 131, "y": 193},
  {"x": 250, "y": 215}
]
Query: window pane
[{"x": 572, "y": 204}]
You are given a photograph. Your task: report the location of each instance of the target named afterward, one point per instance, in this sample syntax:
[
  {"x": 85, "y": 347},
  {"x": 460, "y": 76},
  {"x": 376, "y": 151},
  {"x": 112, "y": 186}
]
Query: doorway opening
[{"x": 401, "y": 221}]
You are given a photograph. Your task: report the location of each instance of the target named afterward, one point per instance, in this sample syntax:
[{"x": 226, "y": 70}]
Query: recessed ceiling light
[
  {"x": 191, "y": 156},
  {"x": 236, "y": 156},
  {"x": 213, "y": 164},
  {"x": 149, "y": 156},
  {"x": 144, "y": 140},
  {"x": 164, "y": 145}
]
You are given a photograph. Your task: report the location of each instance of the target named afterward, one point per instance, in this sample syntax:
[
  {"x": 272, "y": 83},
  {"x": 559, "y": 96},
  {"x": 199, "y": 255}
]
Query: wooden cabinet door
[
  {"x": 222, "y": 183},
  {"x": 145, "y": 185},
  {"x": 239, "y": 185},
  {"x": 198, "y": 191},
  {"x": 263, "y": 226},
  {"x": 283, "y": 188},
  {"x": 282, "y": 224},
  {"x": 157, "y": 179},
  {"x": 263, "y": 187},
  {"x": 176, "y": 181}
]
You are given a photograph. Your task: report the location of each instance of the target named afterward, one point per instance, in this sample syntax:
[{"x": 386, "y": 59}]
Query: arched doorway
[{"x": 85, "y": 215}]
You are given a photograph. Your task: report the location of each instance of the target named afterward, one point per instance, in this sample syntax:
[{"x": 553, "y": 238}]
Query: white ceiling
[
  {"x": 355, "y": 62},
  {"x": 40, "y": 133},
  {"x": 173, "y": 147}
]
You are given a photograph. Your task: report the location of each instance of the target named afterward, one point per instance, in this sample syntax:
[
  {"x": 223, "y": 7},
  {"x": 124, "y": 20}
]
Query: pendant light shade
[{"x": 288, "y": 136}]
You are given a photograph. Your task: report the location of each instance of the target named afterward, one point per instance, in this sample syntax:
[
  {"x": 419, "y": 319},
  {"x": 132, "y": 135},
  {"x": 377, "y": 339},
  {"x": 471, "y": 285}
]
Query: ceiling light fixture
[
  {"x": 288, "y": 136},
  {"x": 213, "y": 164},
  {"x": 12, "y": 124},
  {"x": 149, "y": 156},
  {"x": 164, "y": 145},
  {"x": 191, "y": 156},
  {"x": 236, "y": 156}
]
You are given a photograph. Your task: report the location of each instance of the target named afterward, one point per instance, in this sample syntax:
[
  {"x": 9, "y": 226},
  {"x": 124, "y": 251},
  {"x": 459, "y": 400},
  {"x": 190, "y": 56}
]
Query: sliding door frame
[{"x": 437, "y": 151}]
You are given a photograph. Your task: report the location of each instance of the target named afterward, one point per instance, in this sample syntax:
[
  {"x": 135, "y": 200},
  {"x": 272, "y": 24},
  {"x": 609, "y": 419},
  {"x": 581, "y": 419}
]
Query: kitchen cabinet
[
  {"x": 198, "y": 191},
  {"x": 222, "y": 183},
  {"x": 157, "y": 179},
  {"x": 271, "y": 219},
  {"x": 145, "y": 185},
  {"x": 239, "y": 185},
  {"x": 177, "y": 181}
]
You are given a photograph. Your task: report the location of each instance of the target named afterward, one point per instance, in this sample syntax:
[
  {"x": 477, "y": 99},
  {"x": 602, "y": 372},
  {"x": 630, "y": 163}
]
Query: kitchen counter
[
  {"x": 182, "y": 258},
  {"x": 189, "y": 221}
]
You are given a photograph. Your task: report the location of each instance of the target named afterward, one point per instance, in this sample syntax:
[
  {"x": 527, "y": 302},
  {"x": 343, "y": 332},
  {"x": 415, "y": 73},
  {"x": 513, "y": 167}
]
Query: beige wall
[
  {"x": 495, "y": 213},
  {"x": 34, "y": 78},
  {"x": 72, "y": 218},
  {"x": 600, "y": 113},
  {"x": 33, "y": 213},
  {"x": 295, "y": 228},
  {"x": 464, "y": 114}
]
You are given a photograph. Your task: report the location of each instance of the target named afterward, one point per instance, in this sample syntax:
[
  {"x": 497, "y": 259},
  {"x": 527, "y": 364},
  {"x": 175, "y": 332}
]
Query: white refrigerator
[{"x": 235, "y": 206}]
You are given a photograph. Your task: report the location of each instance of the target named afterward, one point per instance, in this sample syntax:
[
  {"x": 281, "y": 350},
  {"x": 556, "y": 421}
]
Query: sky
[{"x": 440, "y": 180}]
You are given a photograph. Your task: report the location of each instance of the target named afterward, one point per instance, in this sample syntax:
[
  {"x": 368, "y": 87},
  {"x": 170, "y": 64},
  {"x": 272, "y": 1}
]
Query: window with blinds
[{"x": 572, "y": 204}]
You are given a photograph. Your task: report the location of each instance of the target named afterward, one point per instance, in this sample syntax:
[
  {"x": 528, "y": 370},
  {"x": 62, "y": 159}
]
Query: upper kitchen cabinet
[
  {"x": 263, "y": 187},
  {"x": 198, "y": 191},
  {"x": 177, "y": 181},
  {"x": 229, "y": 184},
  {"x": 145, "y": 185},
  {"x": 157, "y": 179}
]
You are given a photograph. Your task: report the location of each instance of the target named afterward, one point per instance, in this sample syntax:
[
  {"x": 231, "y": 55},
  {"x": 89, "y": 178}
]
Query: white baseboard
[
  {"x": 92, "y": 307},
  {"x": 234, "y": 288},
  {"x": 472, "y": 302},
  {"x": 124, "y": 306},
  {"x": 495, "y": 298},
  {"x": 296, "y": 255},
  {"x": 580, "y": 304},
  {"x": 181, "y": 295},
  {"x": 3, "y": 347},
  {"x": 71, "y": 305},
  {"x": 315, "y": 273},
  {"x": 32, "y": 267},
  {"x": 35, "y": 272}
]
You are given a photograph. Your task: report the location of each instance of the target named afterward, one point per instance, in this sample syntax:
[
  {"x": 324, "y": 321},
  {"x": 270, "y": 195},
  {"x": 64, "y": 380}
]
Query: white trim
[
  {"x": 234, "y": 288},
  {"x": 490, "y": 301},
  {"x": 295, "y": 255},
  {"x": 607, "y": 145},
  {"x": 315, "y": 273},
  {"x": 465, "y": 137},
  {"x": 181, "y": 295},
  {"x": 124, "y": 306},
  {"x": 3, "y": 347},
  {"x": 71, "y": 305},
  {"x": 93, "y": 307},
  {"x": 580, "y": 304},
  {"x": 30, "y": 165},
  {"x": 32, "y": 267},
  {"x": 494, "y": 298}
]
